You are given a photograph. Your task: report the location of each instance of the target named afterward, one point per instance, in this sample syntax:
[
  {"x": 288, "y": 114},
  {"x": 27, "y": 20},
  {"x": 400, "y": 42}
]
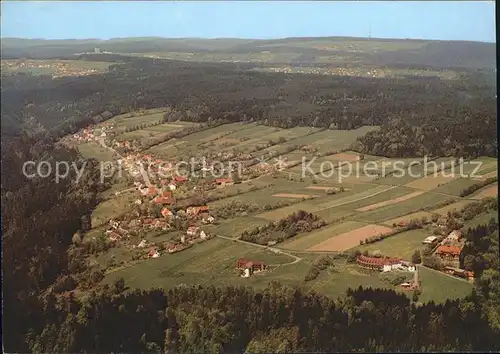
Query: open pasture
[
  {"x": 353, "y": 195},
  {"x": 430, "y": 182},
  {"x": 440, "y": 287},
  {"x": 234, "y": 227},
  {"x": 95, "y": 151},
  {"x": 426, "y": 200},
  {"x": 372, "y": 201},
  {"x": 401, "y": 245},
  {"x": 348, "y": 240},
  {"x": 111, "y": 208},
  {"x": 306, "y": 241},
  {"x": 452, "y": 207},
  {"x": 390, "y": 201},
  {"x": 455, "y": 187},
  {"x": 487, "y": 175},
  {"x": 212, "y": 262},
  {"x": 265, "y": 196},
  {"x": 343, "y": 156},
  {"x": 406, "y": 218},
  {"x": 327, "y": 140},
  {"x": 295, "y": 196}
]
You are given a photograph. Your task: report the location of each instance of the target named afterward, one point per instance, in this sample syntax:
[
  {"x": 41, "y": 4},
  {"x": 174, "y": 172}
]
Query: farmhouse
[
  {"x": 165, "y": 198},
  {"x": 249, "y": 267},
  {"x": 113, "y": 236},
  {"x": 179, "y": 179},
  {"x": 195, "y": 210},
  {"x": 378, "y": 263},
  {"x": 454, "y": 236},
  {"x": 192, "y": 230},
  {"x": 449, "y": 255},
  {"x": 222, "y": 182},
  {"x": 206, "y": 218},
  {"x": 166, "y": 213},
  {"x": 153, "y": 253}
]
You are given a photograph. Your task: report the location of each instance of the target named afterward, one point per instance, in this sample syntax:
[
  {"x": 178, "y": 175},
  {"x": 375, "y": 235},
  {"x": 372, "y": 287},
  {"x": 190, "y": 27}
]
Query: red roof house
[
  {"x": 166, "y": 213},
  {"x": 448, "y": 251},
  {"x": 180, "y": 179}
]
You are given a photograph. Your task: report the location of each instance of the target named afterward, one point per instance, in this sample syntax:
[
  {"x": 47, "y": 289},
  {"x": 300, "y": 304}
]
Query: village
[
  {"x": 159, "y": 187},
  {"x": 56, "y": 69}
]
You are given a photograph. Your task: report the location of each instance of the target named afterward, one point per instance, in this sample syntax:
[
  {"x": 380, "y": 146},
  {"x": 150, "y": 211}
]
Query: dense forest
[{"x": 419, "y": 116}]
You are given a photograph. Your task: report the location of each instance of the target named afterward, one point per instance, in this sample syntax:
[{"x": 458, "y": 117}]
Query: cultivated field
[
  {"x": 350, "y": 239},
  {"x": 452, "y": 207},
  {"x": 489, "y": 191},
  {"x": 389, "y": 202},
  {"x": 430, "y": 182},
  {"x": 407, "y": 218},
  {"x": 306, "y": 241}
]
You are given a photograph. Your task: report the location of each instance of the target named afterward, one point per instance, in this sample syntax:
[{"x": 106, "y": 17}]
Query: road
[{"x": 272, "y": 249}]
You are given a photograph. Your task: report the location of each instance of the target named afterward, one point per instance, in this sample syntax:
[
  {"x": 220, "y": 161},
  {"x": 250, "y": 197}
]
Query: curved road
[{"x": 275, "y": 250}]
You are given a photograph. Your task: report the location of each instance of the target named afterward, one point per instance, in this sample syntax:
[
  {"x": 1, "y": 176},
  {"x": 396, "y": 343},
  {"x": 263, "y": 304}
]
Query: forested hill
[
  {"x": 438, "y": 117},
  {"x": 439, "y": 54}
]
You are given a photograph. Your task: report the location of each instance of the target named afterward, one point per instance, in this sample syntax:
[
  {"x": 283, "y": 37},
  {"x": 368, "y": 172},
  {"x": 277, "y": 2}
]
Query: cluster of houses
[
  {"x": 249, "y": 267},
  {"x": 93, "y": 133},
  {"x": 384, "y": 264},
  {"x": 449, "y": 249},
  {"x": 193, "y": 235},
  {"x": 388, "y": 264},
  {"x": 59, "y": 68}
]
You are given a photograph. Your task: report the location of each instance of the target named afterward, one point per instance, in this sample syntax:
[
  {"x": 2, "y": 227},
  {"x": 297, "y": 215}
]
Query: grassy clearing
[
  {"x": 96, "y": 151},
  {"x": 335, "y": 282},
  {"x": 112, "y": 207},
  {"x": 439, "y": 287},
  {"x": 208, "y": 263},
  {"x": 305, "y": 241},
  {"x": 401, "y": 245},
  {"x": 482, "y": 219}
]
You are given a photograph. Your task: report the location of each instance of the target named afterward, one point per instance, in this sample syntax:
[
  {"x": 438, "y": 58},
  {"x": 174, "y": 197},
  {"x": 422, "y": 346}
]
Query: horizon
[{"x": 443, "y": 21}]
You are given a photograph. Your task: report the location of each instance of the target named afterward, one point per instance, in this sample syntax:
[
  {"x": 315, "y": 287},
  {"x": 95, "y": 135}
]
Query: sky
[{"x": 446, "y": 20}]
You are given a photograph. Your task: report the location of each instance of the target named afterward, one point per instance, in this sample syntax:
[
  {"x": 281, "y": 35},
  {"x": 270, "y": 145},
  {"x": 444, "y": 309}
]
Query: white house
[
  {"x": 246, "y": 273},
  {"x": 183, "y": 238},
  {"x": 454, "y": 235},
  {"x": 172, "y": 186},
  {"x": 429, "y": 240},
  {"x": 142, "y": 244},
  {"x": 203, "y": 235}
]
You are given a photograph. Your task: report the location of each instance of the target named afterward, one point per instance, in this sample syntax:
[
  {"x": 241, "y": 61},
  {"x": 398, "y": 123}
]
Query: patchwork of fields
[{"x": 354, "y": 209}]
